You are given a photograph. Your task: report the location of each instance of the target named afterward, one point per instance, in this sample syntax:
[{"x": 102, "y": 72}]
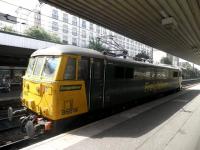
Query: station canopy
[{"x": 172, "y": 26}]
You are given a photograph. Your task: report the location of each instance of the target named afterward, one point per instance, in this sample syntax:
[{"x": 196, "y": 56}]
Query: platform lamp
[{"x": 169, "y": 22}]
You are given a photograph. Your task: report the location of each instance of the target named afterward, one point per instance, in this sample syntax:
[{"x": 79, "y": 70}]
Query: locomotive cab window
[
  {"x": 139, "y": 74},
  {"x": 129, "y": 73},
  {"x": 98, "y": 69},
  {"x": 83, "y": 69},
  {"x": 30, "y": 66},
  {"x": 50, "y": 66},
  {"x": 119, "y": 72},
  {"x": 175, "y": 74},
  {"x": 70, "y": 71},
  {"x": 38, "y": 66}
]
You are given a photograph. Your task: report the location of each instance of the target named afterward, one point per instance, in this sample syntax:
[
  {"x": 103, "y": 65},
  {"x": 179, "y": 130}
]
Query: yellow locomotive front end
[
  {"x": 51, "y": 91},
  {"x": 39, "y": 84},
  {"x": 51, "y": 88}
]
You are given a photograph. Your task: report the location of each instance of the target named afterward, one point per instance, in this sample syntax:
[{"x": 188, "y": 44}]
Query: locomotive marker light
[{"x": 10, "y": 113}]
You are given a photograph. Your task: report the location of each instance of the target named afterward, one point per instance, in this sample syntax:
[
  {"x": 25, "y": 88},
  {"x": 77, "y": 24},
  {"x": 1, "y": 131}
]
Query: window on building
[
  {"x": 131, "y": 47},
  {"x": 83, "y": 43},
  {"x": 65, "y": 17},
  {"x": 55, "y": 26},
  {"x": 74, "y": 31},
  {"x": 83, "y": 34},
  {"x": 104, "y": 31},
  {"x": 84, "y": 24},
  {"x": 65, "y": 39},
  {"x": 91, "y": 26},
  {"x": 127, "y": 46},
  {"x": 110, "y": 32},
  {"x": 123, "y": 44},
  {"x": 74, "y": 41},
  {"x": 97, "y": 29},
  {"x": 37, "y": 18},
  {"x": 91, "y": 35},
  {"x": 74, "y": 21},
  {"x": 55, "y": 14},
  {"x": 65, "y": 28}
]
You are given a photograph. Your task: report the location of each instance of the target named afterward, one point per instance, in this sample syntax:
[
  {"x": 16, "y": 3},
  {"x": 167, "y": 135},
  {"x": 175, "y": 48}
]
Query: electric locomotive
[{"x": 63, "y": 82}]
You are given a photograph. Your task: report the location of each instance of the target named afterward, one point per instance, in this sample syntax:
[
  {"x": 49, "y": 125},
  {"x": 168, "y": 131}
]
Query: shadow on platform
[{"x": 148, "y": 120}]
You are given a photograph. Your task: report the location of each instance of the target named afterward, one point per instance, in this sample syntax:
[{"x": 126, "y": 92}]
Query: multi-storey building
[
  {"x": 173, "y": 59},
  {"x": 77, "y": 31},
  {"x": 72, "y": 29}
]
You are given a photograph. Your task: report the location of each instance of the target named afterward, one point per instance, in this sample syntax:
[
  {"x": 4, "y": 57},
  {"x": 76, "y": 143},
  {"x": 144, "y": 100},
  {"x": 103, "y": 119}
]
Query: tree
[
  {"x": 55, "y": 38},
  {"x": 95, "y": 44},
  {"x": 41, "y": 34},
  {"x": 8, "y": 29},
  {"x": 142, "y": 56},
  {"x": 166, "y": 60}
]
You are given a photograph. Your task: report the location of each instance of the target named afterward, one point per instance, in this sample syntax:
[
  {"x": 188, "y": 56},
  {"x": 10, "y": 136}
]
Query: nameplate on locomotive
[{"x": 70, "y": 87}]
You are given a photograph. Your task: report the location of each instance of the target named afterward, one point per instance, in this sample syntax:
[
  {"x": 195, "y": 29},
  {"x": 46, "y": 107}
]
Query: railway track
[
  {"x": 23, "y": 141},
  {"x": 15, "y": 144},
  {"x": 8, "y": 131},
  {"x": 4, "y": 104},
  {"x": 6, "y": 125}
]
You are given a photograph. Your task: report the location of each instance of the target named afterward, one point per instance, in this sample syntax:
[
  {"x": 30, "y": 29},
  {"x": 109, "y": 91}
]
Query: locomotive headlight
[
  {"x": 38, "y": 90},
  {"x": 45, "y": 111},
  {"x": 41, "y": 89},
  {"x": 27, "y": 86}
]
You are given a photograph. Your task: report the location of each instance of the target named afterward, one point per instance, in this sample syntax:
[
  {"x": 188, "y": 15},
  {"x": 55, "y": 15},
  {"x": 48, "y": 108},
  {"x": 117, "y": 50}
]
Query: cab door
[
  {"x": 97, "y": 84},
  {"x": 72, "y": 94}
]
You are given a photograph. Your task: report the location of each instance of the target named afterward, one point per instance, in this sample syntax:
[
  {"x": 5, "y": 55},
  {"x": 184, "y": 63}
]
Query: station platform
[{"x": 171, "y": 122}]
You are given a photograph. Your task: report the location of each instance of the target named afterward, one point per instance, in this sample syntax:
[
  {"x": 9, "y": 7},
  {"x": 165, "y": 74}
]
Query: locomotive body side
[{"x": 64, "y": 82}]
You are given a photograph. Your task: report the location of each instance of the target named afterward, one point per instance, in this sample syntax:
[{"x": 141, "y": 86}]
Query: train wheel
[
  {"x": 30, "y": 130},
  {"x": 23, "y": 123}
]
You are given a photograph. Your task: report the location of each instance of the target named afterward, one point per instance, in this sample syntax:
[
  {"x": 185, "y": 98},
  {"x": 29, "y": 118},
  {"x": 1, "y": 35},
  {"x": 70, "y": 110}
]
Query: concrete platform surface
[{"x": 169, "y": 123}]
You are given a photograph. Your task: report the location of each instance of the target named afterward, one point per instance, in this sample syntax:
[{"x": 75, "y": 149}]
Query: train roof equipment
[{"x": 59, "y": 50}]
